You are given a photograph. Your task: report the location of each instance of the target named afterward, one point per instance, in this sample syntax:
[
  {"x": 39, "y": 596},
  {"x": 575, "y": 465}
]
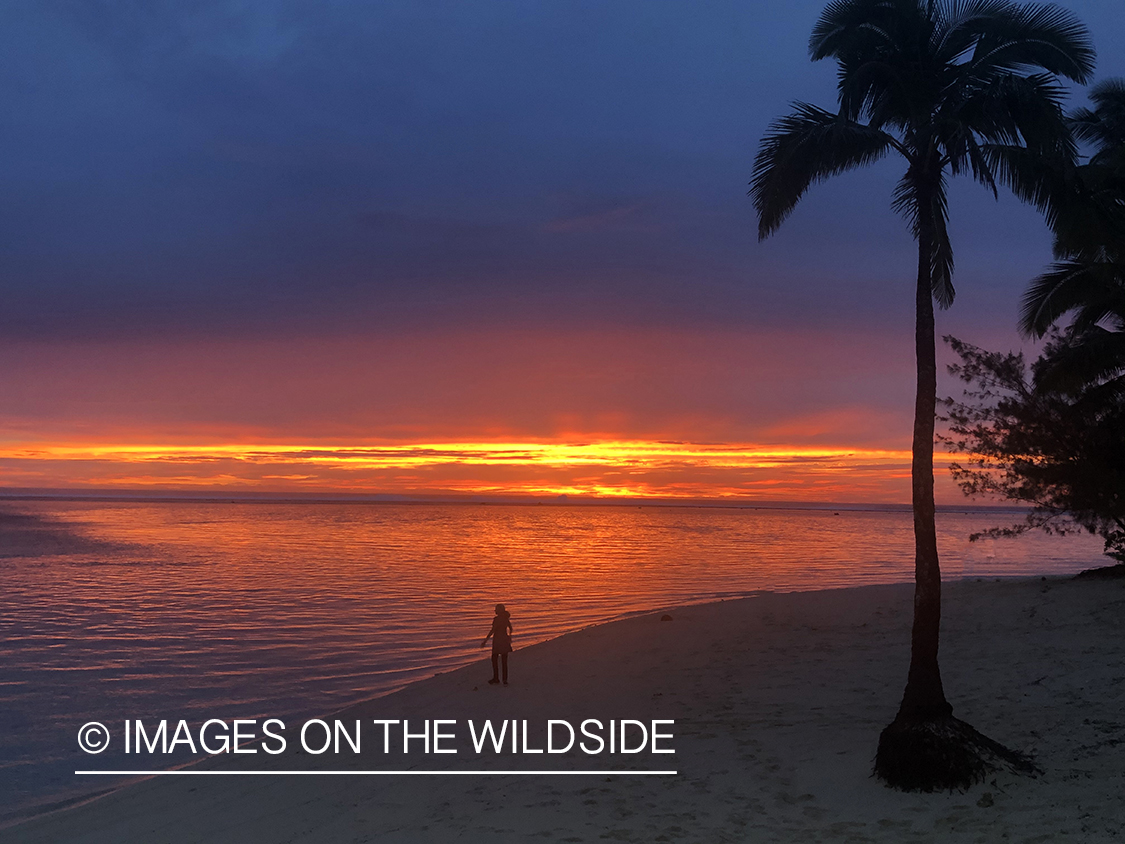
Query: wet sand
[{"x": 778, "y": 701}]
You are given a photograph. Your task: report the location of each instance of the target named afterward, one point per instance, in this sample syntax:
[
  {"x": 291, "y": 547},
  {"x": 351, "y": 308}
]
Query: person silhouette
[{"x": 501, "y": 636}]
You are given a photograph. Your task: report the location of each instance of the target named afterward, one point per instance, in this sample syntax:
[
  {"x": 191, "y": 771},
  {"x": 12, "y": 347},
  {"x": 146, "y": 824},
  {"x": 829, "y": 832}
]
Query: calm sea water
[{"x": 184, "y": 610}]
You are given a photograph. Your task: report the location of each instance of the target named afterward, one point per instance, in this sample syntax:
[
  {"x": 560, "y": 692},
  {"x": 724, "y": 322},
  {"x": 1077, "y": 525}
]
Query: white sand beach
[{"x": 778, "y": 701}]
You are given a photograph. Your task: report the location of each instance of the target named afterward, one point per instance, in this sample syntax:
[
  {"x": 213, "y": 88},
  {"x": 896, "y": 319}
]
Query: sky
[{"x": 463, "y": 247}]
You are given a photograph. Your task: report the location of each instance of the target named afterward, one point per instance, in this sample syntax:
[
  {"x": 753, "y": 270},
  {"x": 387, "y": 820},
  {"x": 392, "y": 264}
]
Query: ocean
[{"x": 253, "y": 609}]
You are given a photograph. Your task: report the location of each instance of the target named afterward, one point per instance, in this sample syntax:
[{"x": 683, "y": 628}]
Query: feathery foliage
[{"x": 1061, "y": 453}]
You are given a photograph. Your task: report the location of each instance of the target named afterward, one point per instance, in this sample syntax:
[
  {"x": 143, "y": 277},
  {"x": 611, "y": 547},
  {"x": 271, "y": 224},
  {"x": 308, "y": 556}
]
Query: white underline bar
[{"x": 373, "y": 773}]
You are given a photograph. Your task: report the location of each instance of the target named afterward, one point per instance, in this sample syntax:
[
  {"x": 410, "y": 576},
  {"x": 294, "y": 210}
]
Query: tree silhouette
[
  {"x": 1061, "y": 452},
  {"x": 953, "y": 88},
  {"x": 1088, "y": 278}
]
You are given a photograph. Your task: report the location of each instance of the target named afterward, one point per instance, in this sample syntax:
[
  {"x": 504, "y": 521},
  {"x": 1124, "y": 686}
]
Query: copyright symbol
[{"x": 93, "y": 737}]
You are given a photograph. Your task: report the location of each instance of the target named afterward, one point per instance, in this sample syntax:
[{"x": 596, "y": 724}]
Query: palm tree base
[{"x": 941, "y": 754}]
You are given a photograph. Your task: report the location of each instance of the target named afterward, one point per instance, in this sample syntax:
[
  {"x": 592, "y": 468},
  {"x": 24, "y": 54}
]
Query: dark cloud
[{"x": 252, "y": 167}]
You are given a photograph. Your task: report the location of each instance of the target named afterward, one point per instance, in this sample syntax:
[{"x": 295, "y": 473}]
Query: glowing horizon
[{"x": 598, "y": 468}]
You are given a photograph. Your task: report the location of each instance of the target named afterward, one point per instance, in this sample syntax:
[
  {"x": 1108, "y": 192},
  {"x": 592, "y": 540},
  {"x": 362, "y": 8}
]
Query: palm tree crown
[
  {"x": 948, "y": 85},
  {"x": 952, "y": 86}
]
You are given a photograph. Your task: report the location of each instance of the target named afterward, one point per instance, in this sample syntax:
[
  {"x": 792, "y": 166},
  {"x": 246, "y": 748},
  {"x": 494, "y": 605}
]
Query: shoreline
[{"x": 777, "y": 699}]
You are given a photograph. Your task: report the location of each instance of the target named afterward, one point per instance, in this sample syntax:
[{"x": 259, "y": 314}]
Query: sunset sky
[{"x": 473, "y": 247}]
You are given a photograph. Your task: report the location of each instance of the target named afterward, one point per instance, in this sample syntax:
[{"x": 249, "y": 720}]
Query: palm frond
[
  {"x": 876, "y": 89},
  {"x": 803, "y": 148},
  {"x": 1017, "y": 37},
  {"x": 1081, "y": 358},
  {"x": 851, "y": 27},
  {"x": 876, "y": 44},
  {"x": 910, "y": 199},
  {"x": 1104, "y": 125},
  {"x": 1094, "y": 289},
  {"x": 941, "y": 257},
  {"x": 1007, "y": 108},
  {"x": 1037, "y": 180},
  {"x": 1109, "y": 96},
  {"x": 965, "y": 154},
  {"x": 1090, "y": 221}
]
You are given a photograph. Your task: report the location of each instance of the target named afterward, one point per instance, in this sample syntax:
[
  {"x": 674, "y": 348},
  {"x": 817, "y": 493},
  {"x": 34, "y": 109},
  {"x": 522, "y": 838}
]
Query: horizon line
[
  {"x": 515, "y": 499},
  {"x": 538, "y": 773}
]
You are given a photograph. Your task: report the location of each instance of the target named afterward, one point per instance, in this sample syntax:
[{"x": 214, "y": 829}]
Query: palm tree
[
  {"x": 1088, "y": 277},
  {"x": 954, "y": 87}
]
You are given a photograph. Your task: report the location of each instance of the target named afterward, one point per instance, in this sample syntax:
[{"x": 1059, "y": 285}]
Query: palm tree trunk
[
  {"x": 925, "y": 748},
  {"x": 924, "y": 698}
]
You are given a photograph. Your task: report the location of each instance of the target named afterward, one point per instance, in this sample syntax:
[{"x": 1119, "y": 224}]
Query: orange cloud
[{"x": 614, "y": 469}]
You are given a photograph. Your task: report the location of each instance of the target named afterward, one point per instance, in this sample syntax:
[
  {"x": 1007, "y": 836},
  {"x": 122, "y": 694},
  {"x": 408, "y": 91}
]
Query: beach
[
  {"x": 777, "y": 700},
  {"x": 333, "y": 329}
]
